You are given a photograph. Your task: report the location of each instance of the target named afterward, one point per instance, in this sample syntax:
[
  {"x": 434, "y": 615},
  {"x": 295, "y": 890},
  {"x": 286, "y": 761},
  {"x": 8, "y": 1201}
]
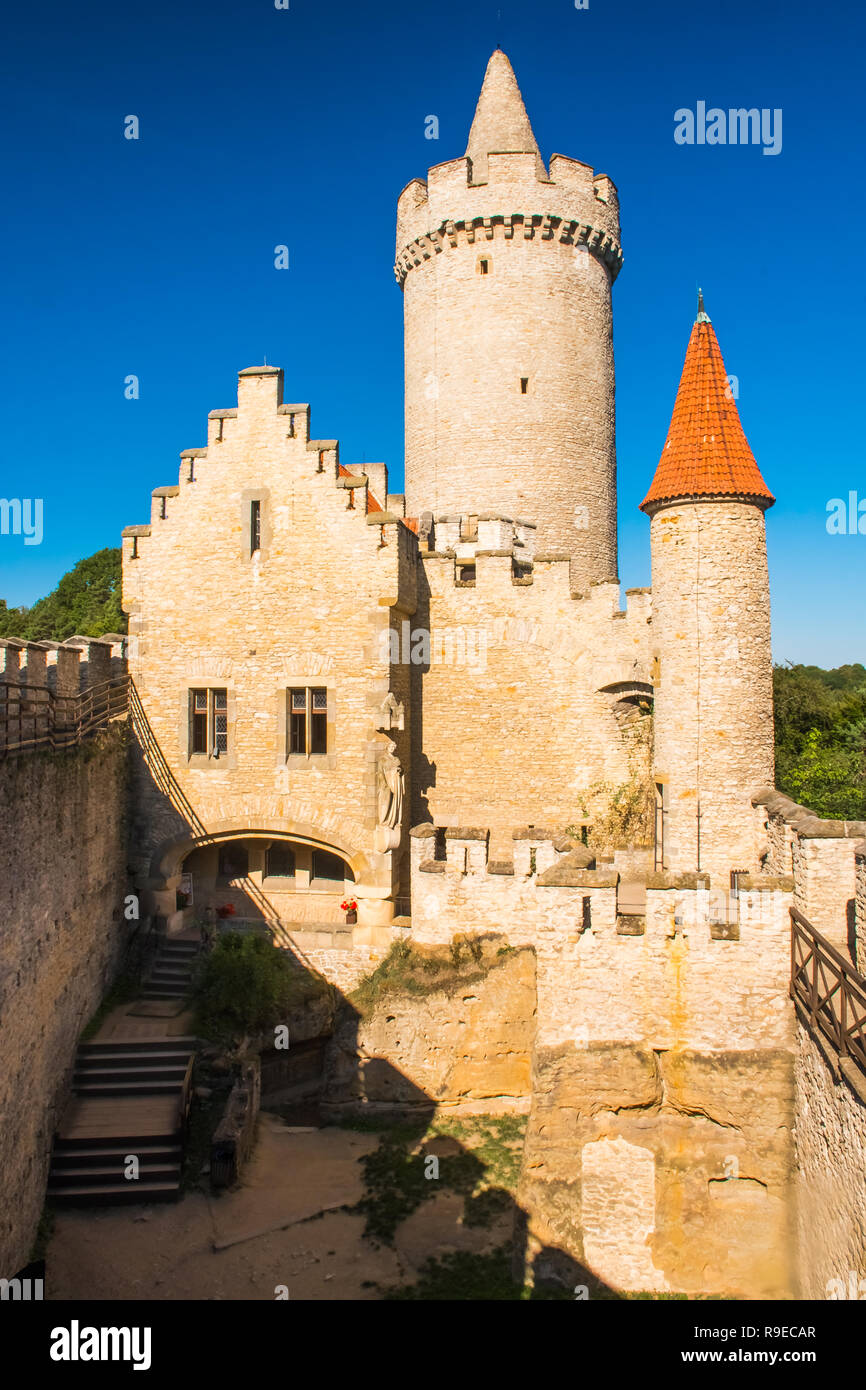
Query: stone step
[
  {"x": 181, "y": 1044},
  {"x": 166, "y": 1071},
  {"x": 127, "y": 1088},
  {"x": 98, "y": 1193},
  {"x": 169, "y": 1058},
  {"x": 110, "y": 1151},
  {"x": 109, "y": 1174}
]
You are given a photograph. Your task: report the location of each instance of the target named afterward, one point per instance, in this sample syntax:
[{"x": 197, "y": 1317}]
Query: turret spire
[
  {"x": 706, "y": 453},
  {"x": 500, "y": 125}
]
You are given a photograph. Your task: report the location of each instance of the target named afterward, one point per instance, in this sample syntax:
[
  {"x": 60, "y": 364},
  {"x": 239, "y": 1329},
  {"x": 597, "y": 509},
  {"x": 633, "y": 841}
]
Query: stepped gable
[{"x": 706, "y": 453}]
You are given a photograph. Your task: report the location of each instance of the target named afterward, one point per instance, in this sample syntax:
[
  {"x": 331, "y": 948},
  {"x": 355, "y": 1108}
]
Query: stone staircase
[
  {"x": 171, "y": 973},
  {"x": 129, "y": 1099}
]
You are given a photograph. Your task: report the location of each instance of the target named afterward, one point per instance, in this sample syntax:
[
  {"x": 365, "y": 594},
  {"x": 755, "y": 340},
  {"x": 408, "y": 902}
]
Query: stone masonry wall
[
  {"x": 525, "y": 725},
  {"x": 659, "y": 1148},
  {"x": 308, "y": 608},
  {"x": 464, "y": 1048},
  {"x": 475, "y": 440},
  {"x": 713, "y": 715},
  {"x": 62, "y": 883},
  {"x": 831, "y": 1162}
]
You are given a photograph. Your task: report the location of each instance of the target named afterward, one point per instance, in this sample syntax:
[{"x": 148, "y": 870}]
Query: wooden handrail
[
  {"x": 34, "y": 717},
  {"x": 829, "y": 990}
]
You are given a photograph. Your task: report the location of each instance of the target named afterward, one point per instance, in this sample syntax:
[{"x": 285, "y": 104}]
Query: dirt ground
[{"x": 226, "y": 1247}]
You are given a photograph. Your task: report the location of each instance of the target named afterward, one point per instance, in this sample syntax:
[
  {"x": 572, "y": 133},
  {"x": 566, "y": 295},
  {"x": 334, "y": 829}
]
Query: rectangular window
[
  {"x": 308, "y": 721},
  {"x": 208, "y": 722},
  {"x": 255, "y": 527}
]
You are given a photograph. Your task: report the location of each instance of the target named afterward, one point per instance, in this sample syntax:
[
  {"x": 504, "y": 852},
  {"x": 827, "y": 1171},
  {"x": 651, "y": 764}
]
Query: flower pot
[{"x": 351, "y": 918}]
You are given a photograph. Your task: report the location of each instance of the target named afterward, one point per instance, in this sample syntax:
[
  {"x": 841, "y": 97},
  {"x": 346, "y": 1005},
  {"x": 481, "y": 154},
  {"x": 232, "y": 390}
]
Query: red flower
[{"x": 349, "y": 905}]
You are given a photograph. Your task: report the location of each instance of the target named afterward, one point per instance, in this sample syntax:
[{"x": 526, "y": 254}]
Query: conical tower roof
[
  {"x": 500, "y": 124},
  {"x": 706, "y": 453}
]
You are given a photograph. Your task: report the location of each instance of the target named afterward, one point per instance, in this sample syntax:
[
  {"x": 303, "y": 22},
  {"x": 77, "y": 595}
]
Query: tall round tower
[
  {"x": 711, "y": 624},
  {"x": 506, "y": 273}
]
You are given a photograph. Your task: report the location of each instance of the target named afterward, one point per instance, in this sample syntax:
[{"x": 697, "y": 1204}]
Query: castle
[
  {"x": 323, "y": 664},
  {"x": 432, "y": 706}
]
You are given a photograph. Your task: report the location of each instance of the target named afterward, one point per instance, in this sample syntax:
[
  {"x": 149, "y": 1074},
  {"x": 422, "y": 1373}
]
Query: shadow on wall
[{"x": 384, "y": 1094}]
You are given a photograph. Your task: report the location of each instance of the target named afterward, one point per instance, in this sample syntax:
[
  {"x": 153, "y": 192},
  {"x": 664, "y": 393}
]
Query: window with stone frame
[
  {"x": 234, "y": 860},
  {"x": 329, "y": 867},
  {"x": 308, "y": 721},
  {"x": 280, "y": 861},
  {"x": 208, "y": 722}
]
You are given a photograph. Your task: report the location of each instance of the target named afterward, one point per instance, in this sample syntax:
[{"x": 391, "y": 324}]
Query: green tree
[{"x": 86, "y": 601}]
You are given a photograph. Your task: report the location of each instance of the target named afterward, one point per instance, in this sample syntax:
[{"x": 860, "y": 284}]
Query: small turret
[{"x": 711, "y": 619}]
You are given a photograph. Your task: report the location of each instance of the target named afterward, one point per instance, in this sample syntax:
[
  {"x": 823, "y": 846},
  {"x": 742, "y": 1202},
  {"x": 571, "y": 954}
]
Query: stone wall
[
  {"x": 62, "y": 884},
  {"x": 526, "y": 724},
  {"x": 464, "y": 1046},
  {"x": 308, "y": 607},
  {"x": 658, "y": 1149},
  {"x": 831, "y": 1162},
  {"x": 537, "y": 310},
  {"x": 713, "y": 717},
  {"x": 822, "y": 855}
]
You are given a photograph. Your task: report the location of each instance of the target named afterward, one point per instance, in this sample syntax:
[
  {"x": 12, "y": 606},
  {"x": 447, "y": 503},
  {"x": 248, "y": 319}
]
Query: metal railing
[
  {"x": 829, "y": 990},
  {"x": 34, "y": 717}
]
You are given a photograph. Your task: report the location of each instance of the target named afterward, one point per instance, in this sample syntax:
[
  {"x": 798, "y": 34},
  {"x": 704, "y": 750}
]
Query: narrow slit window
[
  {"x": 524, "y": 385},
  {"x": 255, "y": 526},
  {"x": 484, "y": 267}
]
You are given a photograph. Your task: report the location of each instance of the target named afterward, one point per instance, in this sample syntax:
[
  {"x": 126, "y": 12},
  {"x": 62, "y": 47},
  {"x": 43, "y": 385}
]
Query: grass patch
[
  {"x": 484, "y": 1171},
  {"x": 409, "y": 969}
]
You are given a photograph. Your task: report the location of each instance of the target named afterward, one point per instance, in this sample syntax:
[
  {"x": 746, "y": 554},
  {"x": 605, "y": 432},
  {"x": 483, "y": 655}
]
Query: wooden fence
[
  {"x": 34, "y": 717},
  {"x": 830, "y": 992}
]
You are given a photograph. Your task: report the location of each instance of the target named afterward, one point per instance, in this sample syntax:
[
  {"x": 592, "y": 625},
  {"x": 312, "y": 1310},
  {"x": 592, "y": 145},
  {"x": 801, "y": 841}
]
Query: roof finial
[{"x": 702, "y": 317}]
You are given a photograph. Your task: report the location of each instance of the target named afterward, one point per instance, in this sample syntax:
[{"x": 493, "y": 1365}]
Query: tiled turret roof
[{"x": 706, "y": 453}]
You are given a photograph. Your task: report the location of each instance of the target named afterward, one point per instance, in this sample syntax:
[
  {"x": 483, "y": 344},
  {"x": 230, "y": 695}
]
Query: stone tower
[
  {"x": 711, "y": 620},
  {"x": 506, "y": 273}
]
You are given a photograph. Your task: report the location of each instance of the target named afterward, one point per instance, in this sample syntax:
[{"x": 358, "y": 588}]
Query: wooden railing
[
  {"x": 34, "y": 717},
  {"x": 830, "y": 992}
]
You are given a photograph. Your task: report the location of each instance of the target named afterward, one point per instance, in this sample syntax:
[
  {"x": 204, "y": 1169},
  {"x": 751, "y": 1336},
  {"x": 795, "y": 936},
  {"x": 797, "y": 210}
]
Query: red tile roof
[{"x": 706, "y": 453}]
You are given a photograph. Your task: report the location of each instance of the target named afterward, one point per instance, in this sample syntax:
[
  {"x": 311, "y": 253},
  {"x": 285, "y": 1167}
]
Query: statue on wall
[{"x": 389, "y": 788}]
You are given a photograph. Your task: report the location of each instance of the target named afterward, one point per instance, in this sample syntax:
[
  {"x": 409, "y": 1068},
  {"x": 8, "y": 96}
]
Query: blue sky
[{"x": 261, "y": 126}]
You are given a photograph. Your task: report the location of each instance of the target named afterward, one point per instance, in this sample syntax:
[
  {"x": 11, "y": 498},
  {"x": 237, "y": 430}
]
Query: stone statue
[{"x": 389, "y": 788}]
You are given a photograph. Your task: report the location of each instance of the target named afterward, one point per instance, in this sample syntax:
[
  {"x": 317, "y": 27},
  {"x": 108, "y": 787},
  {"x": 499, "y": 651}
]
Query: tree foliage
[
  {"x": 85, "y": 602},
  {"x": 821, "y": 738}
]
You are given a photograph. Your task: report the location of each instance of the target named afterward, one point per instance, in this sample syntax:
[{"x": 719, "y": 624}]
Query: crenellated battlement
[
  {"x": 822, "y": 857},
  {"x": 55, "y": 694},
  {"x": 598, "y": 240}
]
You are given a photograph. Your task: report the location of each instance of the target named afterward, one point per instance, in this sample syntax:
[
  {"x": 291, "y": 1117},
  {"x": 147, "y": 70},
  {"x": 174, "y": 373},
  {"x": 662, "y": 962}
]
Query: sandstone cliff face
[
  {"x": 462, "y": 1044},
  {"x": 665, "y": 1170}
]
